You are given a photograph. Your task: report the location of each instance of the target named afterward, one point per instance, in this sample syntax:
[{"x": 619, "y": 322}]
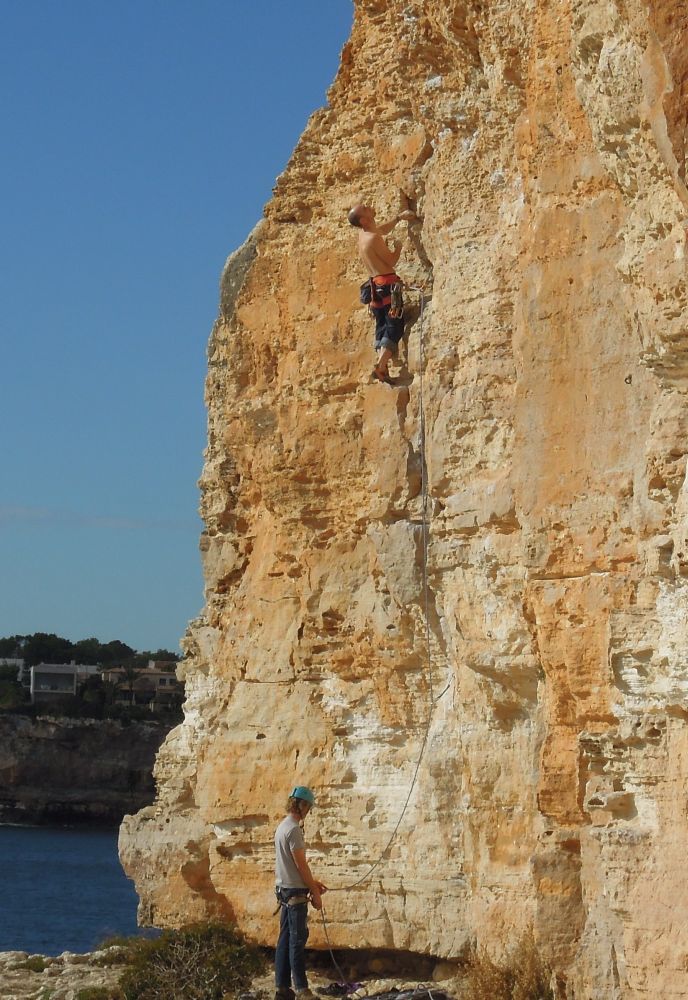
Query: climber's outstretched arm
[{"x": 386, "y": 227}]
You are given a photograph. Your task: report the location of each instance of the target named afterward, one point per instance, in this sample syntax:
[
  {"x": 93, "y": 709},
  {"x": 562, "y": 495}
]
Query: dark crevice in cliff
[{"x": 358, "y": 963}]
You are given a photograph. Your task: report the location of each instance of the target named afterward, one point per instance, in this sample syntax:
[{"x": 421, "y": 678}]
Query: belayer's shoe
[{"x": 284, "y": 993}]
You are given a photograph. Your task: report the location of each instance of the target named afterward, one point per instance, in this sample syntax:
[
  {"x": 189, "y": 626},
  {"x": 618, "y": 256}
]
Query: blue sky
[{"x": 141, "y": 140}]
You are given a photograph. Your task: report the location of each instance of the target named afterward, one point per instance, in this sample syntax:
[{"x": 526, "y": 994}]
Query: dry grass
[{"x": 524, "y": 976}]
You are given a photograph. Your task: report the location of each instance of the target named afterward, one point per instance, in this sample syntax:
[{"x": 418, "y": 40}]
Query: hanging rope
[
  {"x": 426, "y": 608},
  {"x": 424, "y": 498},
  {"x": 424, "y": 545}
]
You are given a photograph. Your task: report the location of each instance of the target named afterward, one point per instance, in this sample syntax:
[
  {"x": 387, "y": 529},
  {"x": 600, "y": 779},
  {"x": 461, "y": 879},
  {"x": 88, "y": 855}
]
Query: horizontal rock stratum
[
  {"x": 57, "y": 770},
  {"x": 543, "y": 146}
]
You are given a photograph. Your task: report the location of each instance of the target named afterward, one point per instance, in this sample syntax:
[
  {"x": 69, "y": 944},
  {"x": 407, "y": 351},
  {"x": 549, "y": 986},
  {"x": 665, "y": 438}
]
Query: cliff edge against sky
[{"x": 543, "y": 146}]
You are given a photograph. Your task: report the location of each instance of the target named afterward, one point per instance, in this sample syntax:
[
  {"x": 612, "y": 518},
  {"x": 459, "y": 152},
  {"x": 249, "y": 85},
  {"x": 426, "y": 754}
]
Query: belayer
[
  {"x": 294, "y": 885},
  {"x": 382, "y": 291}
]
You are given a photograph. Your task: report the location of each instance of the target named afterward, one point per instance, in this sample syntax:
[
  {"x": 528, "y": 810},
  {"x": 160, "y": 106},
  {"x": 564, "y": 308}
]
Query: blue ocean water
[{"x": 62, "y": 890}]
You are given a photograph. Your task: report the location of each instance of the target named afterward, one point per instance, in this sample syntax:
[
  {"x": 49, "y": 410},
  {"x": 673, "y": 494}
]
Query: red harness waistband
[{"x": 385, "y": 279}]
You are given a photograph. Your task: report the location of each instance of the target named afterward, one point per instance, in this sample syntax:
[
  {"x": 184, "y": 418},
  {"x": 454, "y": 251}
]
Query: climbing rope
[
  {"x": 432, "y": 701},
  {"x": 420, "y": 987},
  {"x": 424, "y": 536},
  {"x": 342, "y": 977},
  {"x": 424, "y": 497}
]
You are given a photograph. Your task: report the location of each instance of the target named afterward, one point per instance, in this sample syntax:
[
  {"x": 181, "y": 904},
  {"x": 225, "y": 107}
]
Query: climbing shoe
[{"x": 382, "y": 376}]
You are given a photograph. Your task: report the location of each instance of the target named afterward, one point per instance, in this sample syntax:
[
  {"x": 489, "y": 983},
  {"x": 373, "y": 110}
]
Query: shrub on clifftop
[{"x": 199, "y": 962}]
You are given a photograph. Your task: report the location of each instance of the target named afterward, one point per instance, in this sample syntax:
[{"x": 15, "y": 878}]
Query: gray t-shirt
[{"x": 288, "y": 838}]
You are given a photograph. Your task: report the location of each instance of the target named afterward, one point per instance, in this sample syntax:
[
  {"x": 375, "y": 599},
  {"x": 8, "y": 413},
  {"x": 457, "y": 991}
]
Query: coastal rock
[
  {"x": 543, "y": 147},
  {"x": 37, "y": 977},
  {"x": 59, "y": 770}
]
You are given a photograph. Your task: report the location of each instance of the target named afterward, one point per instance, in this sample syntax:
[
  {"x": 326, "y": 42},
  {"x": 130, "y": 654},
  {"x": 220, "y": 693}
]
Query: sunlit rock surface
[{"x": 543, "y": 145}]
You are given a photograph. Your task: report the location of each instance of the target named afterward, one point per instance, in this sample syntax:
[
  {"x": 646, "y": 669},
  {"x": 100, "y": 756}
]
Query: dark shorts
[{"x": 388, "y": 330}]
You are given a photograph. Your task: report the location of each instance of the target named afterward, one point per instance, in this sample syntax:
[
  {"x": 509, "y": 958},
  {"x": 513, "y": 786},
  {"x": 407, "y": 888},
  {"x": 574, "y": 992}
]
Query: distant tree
[
  {"x": 93, "y": 693},
  {"x": 46, "y": 647},
  {"x": 12, "y": 694},
  {"x": 110, "y": 690},
  {"x": 166, "y": 654},
  {"x": 160, "y": 654},
  {"x": 11, "y": 647},
  {"x": 139, "y": 661},
  {"x": 130, "y": 676},
  {"x": 116, "y": 652},
  {"x": 87, "y": 651}
]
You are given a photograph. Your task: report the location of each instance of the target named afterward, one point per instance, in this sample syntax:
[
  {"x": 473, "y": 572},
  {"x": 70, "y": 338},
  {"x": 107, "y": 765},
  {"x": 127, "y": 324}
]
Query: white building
[{"x": 57, "y": 680}]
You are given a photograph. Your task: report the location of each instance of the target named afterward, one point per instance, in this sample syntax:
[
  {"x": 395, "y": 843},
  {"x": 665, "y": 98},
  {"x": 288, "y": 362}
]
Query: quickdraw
[{"x": 396, "y": 304}]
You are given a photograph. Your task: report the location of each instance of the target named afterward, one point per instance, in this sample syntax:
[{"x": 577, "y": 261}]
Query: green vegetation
[
  {"x": 206, "y": 961},
  {"x": 95, "y": 698},
  {"x": 12, "y": 694},
  {"x": 46, "y": 647},
  {"x": 523, "y": 976},
  {"x": 35, "y": 963},
  {"x": 114, "y": 951},
  {"x": 99, "y": 993},
  {"x": 97, "y": 704}
]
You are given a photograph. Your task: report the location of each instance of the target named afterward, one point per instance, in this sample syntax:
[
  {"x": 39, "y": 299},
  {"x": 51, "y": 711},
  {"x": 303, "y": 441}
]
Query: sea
[{"x": 62, "y": 889}]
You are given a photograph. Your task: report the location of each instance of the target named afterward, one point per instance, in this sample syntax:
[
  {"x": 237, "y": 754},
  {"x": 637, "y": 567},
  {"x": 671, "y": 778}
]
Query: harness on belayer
[{"x": 287, "y": 900}]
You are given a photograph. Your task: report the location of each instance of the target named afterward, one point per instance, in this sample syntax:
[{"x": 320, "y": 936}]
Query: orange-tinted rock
[{"x": 544, "y": 147}]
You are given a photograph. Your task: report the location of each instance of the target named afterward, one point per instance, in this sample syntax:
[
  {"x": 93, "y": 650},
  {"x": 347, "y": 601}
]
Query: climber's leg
[
  {"x": 383, "y": 359},
  {"x": 388, "y": 332}
]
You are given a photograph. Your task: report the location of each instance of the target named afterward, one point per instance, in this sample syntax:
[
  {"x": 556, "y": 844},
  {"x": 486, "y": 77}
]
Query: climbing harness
[
  {"x": 383, "y": 290},
  {"x": 285, "y": 903}
]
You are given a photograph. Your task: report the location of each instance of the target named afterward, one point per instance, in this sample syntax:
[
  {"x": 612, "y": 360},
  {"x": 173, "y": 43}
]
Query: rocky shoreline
[
  {"x": 37, "y": 977},
  {"x": 71, "y": 771}
]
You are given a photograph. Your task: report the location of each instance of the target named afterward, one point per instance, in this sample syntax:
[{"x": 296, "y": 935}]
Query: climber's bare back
[{"x": 376, "y": 256}]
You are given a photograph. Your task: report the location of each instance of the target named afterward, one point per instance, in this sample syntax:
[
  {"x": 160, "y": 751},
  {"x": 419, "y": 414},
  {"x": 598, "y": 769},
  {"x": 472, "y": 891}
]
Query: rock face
[
  {"x": 69, "y": 976},
  {"x": 57, "y": 770},
  {"x": 543, "y": 145}
]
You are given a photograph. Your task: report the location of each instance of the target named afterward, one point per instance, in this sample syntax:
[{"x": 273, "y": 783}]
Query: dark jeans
[
  {"x": 290, "y": 955},
  {"x": 388, "y": 330}
]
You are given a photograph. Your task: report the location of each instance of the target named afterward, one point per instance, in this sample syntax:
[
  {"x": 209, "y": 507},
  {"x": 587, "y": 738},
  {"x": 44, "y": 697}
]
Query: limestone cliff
[
  {"x": 60, "y": 770},
  {"x": 543, "y": 145}
]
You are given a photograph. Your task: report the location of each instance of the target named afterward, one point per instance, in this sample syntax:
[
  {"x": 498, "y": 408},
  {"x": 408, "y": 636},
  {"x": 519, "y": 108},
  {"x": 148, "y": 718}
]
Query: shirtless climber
[{"x": 379, "y": 261}]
